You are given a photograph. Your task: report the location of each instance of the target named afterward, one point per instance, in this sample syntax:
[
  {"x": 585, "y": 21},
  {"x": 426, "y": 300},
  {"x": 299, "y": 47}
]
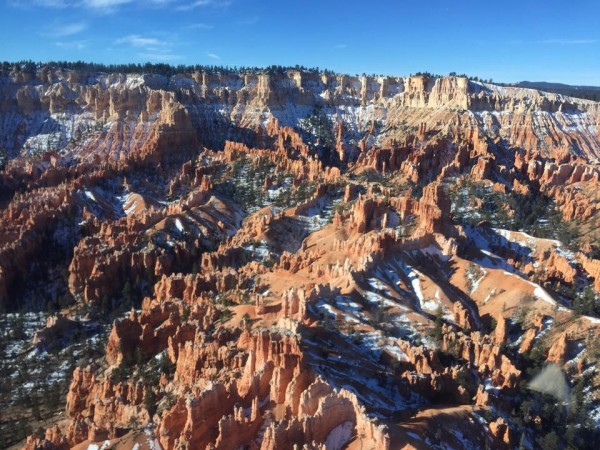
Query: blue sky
[{"x": 508, "y": 41}]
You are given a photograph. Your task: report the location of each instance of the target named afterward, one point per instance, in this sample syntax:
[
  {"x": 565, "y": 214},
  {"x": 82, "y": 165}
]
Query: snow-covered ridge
[
  {"x": 62, "y": 109},
  {"x": 336, "y": 87},
  {"x": 477, "y": 87}
]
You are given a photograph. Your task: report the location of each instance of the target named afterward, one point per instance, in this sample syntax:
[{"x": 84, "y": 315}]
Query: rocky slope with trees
[{"x": 280, "y": 258}]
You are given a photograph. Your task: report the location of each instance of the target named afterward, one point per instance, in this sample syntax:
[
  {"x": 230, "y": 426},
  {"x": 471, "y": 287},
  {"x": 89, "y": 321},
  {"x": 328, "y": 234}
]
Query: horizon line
[{"x": 240, "y": 69}]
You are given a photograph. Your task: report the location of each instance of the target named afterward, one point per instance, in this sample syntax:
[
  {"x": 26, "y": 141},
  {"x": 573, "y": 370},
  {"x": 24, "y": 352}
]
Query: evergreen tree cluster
[{"x": 167, "y": 70}]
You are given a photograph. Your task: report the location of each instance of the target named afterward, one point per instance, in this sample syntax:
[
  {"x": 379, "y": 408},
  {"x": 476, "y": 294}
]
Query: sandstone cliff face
[
  {"x": 422, "y": 92},
  {"x": 130, "y": 104}
]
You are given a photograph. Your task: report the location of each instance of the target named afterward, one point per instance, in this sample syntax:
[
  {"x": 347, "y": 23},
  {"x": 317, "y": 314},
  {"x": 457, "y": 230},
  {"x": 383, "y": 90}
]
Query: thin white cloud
[
  {"x": 42, "y": 3},
  {"x": 77, "y": 45},
  {"x": 213, "y": 56},
  {"x": 102, "y": 6},
  {"x": 105, "y": 4},
  {"x": 199, "y": 26},
  {"x": 341, "y": 46},
  {"x": 159, "y": 57},
  {"x": 66, "y": 30},
  {"x": 203, "y": 3},
  {"x": 149, "y": 48},
  {"x": 135, "y": 40},
  {"x": 568, "y": 41},
  {"x": 111, "y": 6}
]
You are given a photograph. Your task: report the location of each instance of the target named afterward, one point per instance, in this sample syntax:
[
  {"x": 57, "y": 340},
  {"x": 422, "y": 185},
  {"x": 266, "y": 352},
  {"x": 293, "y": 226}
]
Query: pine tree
[
  {"x": 126, "y": 293},
  {"x": 35, "y": 409},
  {"x": 150, "y": 402}
]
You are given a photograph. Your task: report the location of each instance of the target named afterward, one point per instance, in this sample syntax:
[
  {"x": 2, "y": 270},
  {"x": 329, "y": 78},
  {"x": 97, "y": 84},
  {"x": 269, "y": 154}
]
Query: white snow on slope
[
  {"x": 541, "y": 293},
  {"x": 415, "y": 281},
  {"x": 90, "y": 195},
  {"x": 104, "y": 446},
  {"x": 538, "y": 292},
  {"x": 476, "y": 281},
  {"x": 339, "y": 436}
]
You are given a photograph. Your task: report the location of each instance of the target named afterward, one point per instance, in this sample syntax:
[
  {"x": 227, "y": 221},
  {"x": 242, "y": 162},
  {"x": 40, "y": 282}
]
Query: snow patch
[
  {"x": 90, "y": 195},
  {"x": 397, "y": 352},
  {"x": 415, "y": 281},
  {"x": 592, "y": 319},
  {"x": 414, "y": 436},
  {"x": 339, "y": 436},
  {"x": 104, "y": 446},
  {"x": 430, "y": 305},
  {"x": 432, "y": 250},
  {"x": 260, "y": 250},
  {"x": 541, "y": 293}
]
